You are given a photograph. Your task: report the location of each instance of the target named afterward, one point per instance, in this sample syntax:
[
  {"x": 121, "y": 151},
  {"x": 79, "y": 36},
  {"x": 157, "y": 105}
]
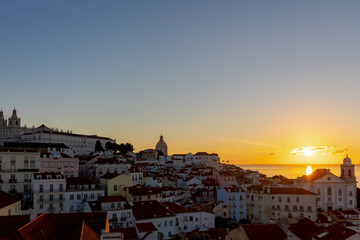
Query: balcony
[
  {"x": 28, "y": 170},
  {"x": 51, "y": 209},
  {"x": 1, "y": 181},
  {"x": 12, "y": 180}
]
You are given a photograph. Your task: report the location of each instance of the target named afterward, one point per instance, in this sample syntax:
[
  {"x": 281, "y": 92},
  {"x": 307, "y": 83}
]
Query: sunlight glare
[{"x": 308, "y": 170}]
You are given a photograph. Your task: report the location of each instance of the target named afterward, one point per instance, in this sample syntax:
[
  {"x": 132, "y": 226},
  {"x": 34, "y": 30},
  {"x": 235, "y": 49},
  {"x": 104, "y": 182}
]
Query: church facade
[
  {"x": 12, "y": 131},
  {"x": 333, "y": 192}
]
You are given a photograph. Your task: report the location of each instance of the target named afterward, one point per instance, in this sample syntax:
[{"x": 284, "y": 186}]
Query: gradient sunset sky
[{"x": 251, "y": 80}]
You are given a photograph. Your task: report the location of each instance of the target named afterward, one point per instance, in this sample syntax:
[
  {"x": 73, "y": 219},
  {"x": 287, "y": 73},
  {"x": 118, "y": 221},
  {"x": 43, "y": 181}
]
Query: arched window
[{"x": 349, "y": 172}]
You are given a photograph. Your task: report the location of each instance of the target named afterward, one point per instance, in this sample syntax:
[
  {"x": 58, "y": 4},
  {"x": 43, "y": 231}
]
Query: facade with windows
[
  {"x": 48, "y": 192},
  {"x": 266, "y": 204},
  {"x": 235, "y": 198},
  {"x": 16, "y": 169},
  {"x": 59, "y": 163},
  {"x": 334, "y": 193},
  {"x": 79, "y": 191}
]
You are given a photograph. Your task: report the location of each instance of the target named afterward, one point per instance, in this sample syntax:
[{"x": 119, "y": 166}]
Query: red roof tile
[
  {"x": 146, "y": 227},
  {"x": 304, "y": 228},
  {"x": 334, "y": 231},
  {"x": 7, "y": 199},
  {"x": 264, "y": 231}
]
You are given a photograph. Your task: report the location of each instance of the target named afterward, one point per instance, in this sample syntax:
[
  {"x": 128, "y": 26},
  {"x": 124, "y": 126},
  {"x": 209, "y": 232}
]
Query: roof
[
  {"x": 129, "y": 233},
  {"x": 109, "y": 175},
  {"x": 112, "y": 199},
  {"x": 318, "y": 173},
  {"x": 304, "y": 228},
  {"x": 140, "y": 190},
  {"x": 7, "y": 199},
  {"x": 45, "y": 175},
  {"x": 67, "y": 134},
  {"x": 334, "y": 231},
  {"x": 264, "y": 231},
  {"x": 63, "y": 226},
  {"x": 276, "y": 190},
  {"x": 150, "y": 210},
  {"x": 146, "y": 227},
  {"x": 10, "y": 224},
  {"x": 78, "y": 181}
]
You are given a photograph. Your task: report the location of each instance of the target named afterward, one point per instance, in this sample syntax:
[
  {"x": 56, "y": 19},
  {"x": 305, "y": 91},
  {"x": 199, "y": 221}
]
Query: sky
[{"x": 255, "y": 81}]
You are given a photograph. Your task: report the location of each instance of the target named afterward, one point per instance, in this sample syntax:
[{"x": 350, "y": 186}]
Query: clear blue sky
[{"x": 210, "y": 75}]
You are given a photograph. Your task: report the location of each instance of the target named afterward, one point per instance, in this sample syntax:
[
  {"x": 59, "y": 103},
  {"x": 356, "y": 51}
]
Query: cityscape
[{"x": 179, "y": 120}]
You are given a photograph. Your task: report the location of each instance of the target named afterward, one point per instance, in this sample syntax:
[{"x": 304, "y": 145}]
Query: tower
[
  {"x": 3, "y": 122},
  {"x": 348, "y": 170},
  {"x": 162, "y": 146},
  {"x": 14, "y": 121}
]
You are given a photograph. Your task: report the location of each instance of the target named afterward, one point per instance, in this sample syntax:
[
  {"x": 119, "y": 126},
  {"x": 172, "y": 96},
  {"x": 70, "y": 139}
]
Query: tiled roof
[
  {"x": 45, "y": 175},
  {"x": 149, "y": 210},
  {"x": 10, "y": 224},
  {"x": 109, "y": 175},
  {"x": 7, "y": 199},
  {"x": 264, "y": 231},
  {"x": 334, "y": 231},
  {"x": 112, "y": 199},
  {"x": 146, "y": 227},
  {"x": 129, "y": 233},
  {"x": 62, "y": 226},
  {"x": 304, "y": 228},
  {"x": 276, "y": 190},
  {"x": 318, "y": 173},
  {"x": 140, "y": 190}
]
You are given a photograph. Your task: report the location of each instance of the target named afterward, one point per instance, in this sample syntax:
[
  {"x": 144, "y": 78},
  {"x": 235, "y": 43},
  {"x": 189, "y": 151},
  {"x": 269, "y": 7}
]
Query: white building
[
  {"x": 104, "y": 165},
  {"x": 80, "y": 190},
  {"x": 12, "y": 131},
  {"x": 265, "y": 204},
  {"x": 334, "y": 193},
  {"x": 49, "y": 192},
  {"x": 235, "y": 199}
]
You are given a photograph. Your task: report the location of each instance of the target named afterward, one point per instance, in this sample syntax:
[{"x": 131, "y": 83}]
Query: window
[
  {"x": 318, "y": 191},
  {"x": 329, "y": 191},
  {"x": 297, "y": 199},
  {"x": 41, "y": 188},
  {"x": 51, "y": 187},
  {"x": 112, "y": 205},
  {"x": 350, "y": 202},
  {"x": 51, "y": 197},
  {"x": 279, "y": 199},
  {"x": 191, "y": 218},
  {"x": 41, "y": 206},
  {"x": 170, "y": 223},
  {"x": 78, "y": 197},
  {"x": 52, "y": 165},
  {"x": 92, "y": 196},
  {"x": 59, "y": 165},
  {"x": 26, "y": 177},
  {"x": 65, "y": 164},
  {"x": 71, "y": 173},
  {"x": 350, "y": 193},
  {"x": 288, "y": 199},
  {"x": 41, "y": 198},
  {"x": 32, "y": 159},
  {"x": 72, "y": 197},
  {"x": 26, "y": 188},
  {"x": 71, "y": 164},
  {"x": 60, "y": 197},
  {"x": 85, "y": 196},
  {"x": 12, "y": 159},
  {"x": 309, "y": 208},
  {"x": 46, "y": 164},
  {"x": 115, "y": 187},
  {"x": 61, "y": 188},
  {"x": 26, "y": 160},
  {"x": 340, "y": 191}
]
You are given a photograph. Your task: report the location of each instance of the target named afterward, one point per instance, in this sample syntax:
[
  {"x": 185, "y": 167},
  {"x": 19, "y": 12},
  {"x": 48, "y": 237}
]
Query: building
[
  {"x": 9, "y": 204},
  {"x": 141, "y": 193},
  {"x": 107, "y": 165},
  {"x": 154, "y": 212},
  {"x": 334, "y": 193},
  {"x": 263, "y": 231},
  {"x": 161, "y": 146},
  {"x": 48, "y": 192},
  {"x": 12, "y": 131},
  {"x": 80, "y": 190},
  {"x": 235, "y": 199},
  {"x": 118, "y": 209},
  {"x": 265, "y": 204},
  {"x": 55, "y": 161},
  {"x": 16, "y": 168}
]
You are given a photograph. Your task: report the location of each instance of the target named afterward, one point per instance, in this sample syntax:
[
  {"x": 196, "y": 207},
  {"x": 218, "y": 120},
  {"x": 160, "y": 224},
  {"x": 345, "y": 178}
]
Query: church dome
[
  {"x": 161, "y": 145},
  {"x": 347, "y": 161}
]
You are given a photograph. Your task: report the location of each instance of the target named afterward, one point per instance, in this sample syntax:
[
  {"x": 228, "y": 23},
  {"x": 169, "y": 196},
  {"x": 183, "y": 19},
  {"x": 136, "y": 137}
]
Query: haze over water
[{"x": 294, "y": 170}]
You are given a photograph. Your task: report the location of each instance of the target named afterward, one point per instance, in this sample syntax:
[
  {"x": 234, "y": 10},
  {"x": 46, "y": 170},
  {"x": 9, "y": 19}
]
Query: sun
[{"x": 308, "y": 151}]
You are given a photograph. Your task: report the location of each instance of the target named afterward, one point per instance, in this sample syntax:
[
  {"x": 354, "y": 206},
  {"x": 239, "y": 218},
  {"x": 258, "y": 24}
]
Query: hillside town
[{"x": 59, "y": 185}]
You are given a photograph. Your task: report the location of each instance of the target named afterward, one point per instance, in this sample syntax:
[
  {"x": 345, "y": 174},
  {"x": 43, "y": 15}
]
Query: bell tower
[
  {"x": 348, "y": 170},
  {"x": 14, "y": 121},
  {"x": 3, "y": 122}
]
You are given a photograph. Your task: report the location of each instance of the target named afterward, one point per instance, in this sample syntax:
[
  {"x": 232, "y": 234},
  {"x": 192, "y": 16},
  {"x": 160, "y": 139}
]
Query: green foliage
[{"x": 98, "y": 147}]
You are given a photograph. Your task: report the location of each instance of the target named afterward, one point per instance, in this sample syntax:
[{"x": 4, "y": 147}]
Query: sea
[{"x": 295, "y": 170}]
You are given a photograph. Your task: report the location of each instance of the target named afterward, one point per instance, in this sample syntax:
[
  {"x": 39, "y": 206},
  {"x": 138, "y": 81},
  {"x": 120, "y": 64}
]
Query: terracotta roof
[
  {"x": 112, "y": 199},
  {"x": 304, "y": 228},
  {"x": 109, "y": 175},
  {"x": 318, "y": 173},
  {"x": 150, "y": 210},
  {"x": 140, "y": 190},
  {"x": 7, "y": 199},
  {"x": 264, "y": 231},
  {"x": 321, "y": 218},
  {"x": 10, "y": 224},
  {"x": 62, "y": 226},
  {"x": 276, "y": 190},
  {"x": 334, "y": 231},
  {"x": 78, "y": 181},
  {"x": 146, "y": 227},
  {"x": 129, "y": 233}
]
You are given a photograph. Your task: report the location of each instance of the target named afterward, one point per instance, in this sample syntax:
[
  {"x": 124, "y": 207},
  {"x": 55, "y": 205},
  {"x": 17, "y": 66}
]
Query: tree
[
  {"x": 111, "y": 146},
  {"x": 98, "y": 146},
  {"x": 125, "y": 148}
]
